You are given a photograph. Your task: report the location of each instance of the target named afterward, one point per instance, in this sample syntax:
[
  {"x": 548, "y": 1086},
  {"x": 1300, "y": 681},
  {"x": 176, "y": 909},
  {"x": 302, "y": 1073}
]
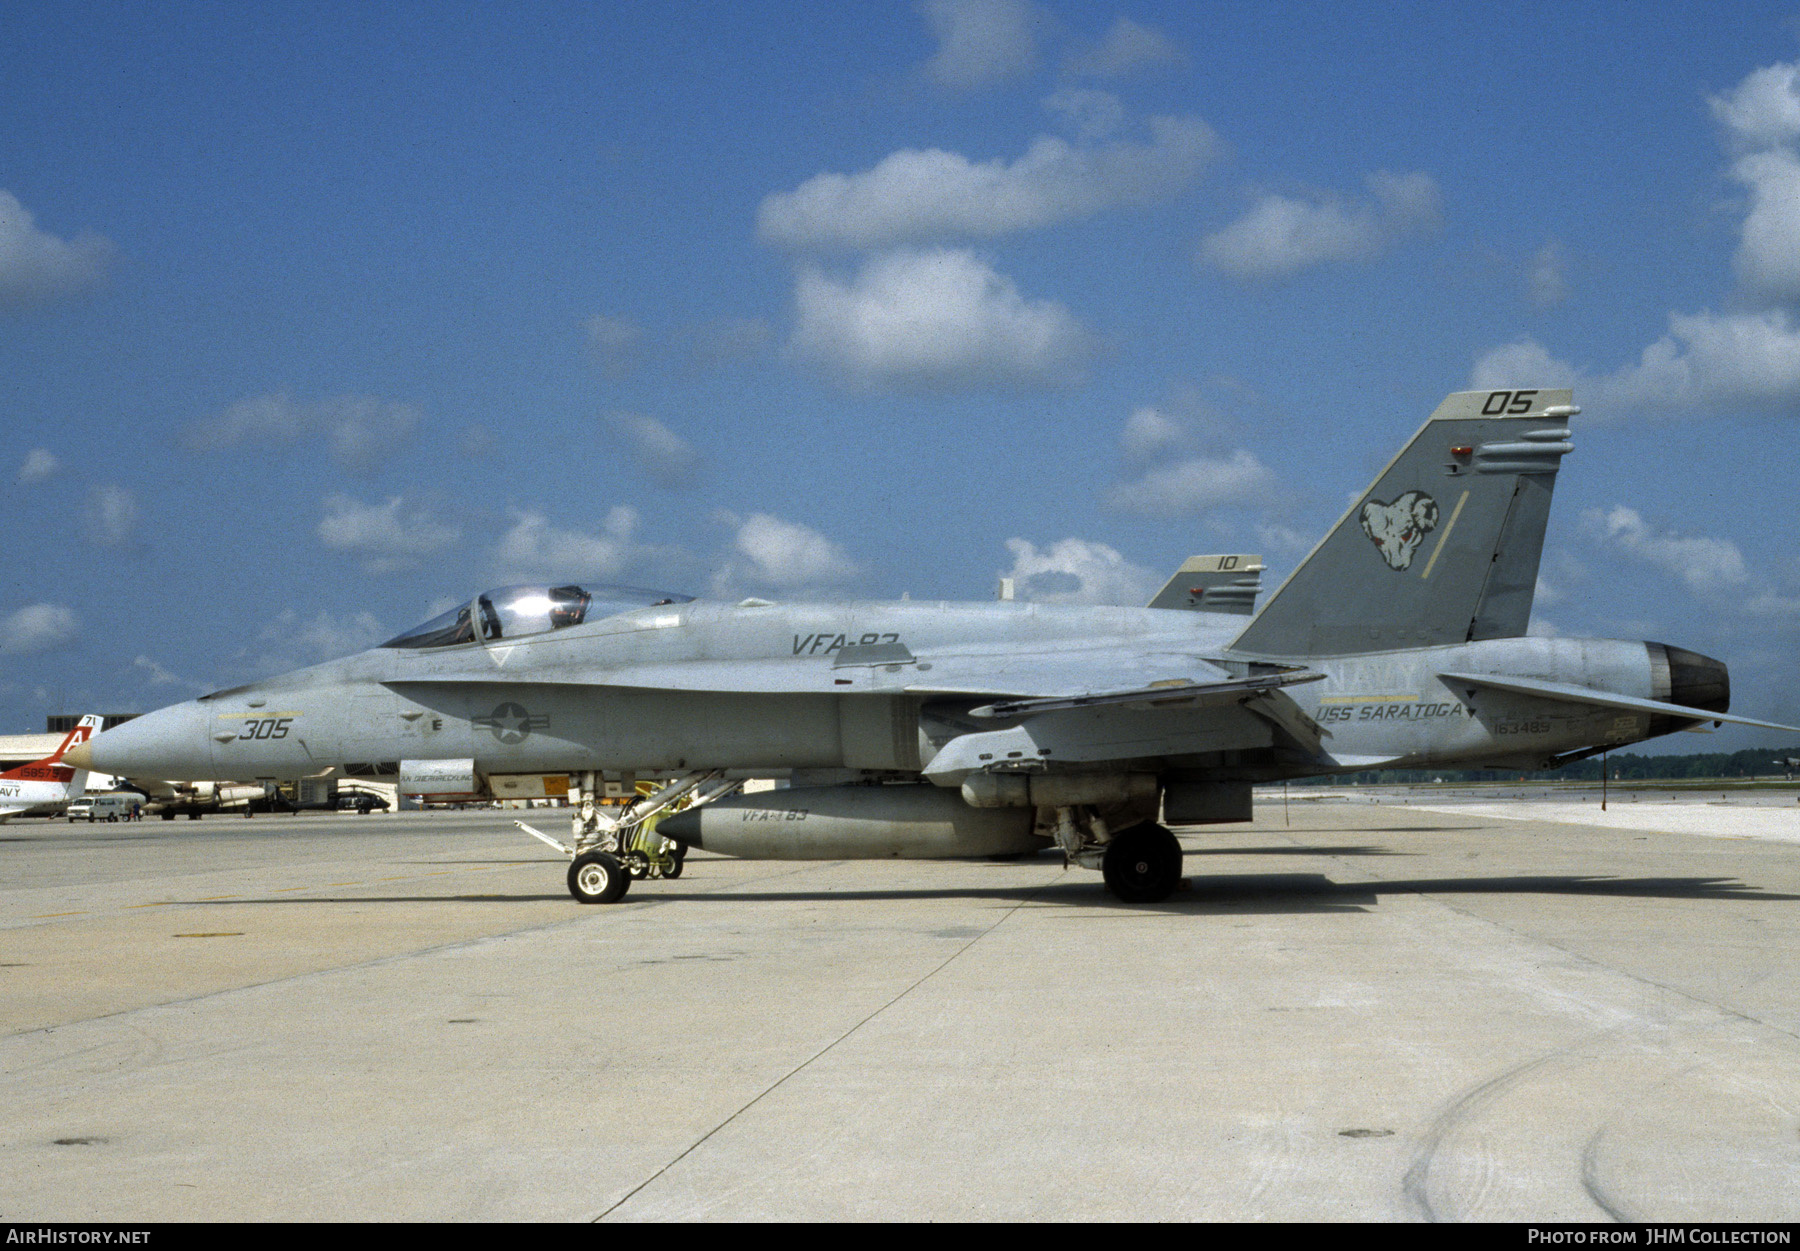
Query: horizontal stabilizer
[{"x": 1564, "y": 692}]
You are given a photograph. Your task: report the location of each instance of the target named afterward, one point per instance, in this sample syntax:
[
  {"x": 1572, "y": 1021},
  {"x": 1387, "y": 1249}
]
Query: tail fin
[
  {"x": 1442, "y": 548},
  {"x": 1214, "y": 584},
  {"x": 51, "y": 767},
  {"x": 84, "y": 729}
]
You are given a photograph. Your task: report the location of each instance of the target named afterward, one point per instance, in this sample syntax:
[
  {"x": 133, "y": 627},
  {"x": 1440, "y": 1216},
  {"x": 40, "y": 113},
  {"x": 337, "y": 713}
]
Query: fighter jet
[
  {"x": 47, "y": 785},
  {"x": 956, "y": 730}
]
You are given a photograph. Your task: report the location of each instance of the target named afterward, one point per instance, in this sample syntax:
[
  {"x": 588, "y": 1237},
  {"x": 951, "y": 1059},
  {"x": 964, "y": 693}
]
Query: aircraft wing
[
  {"x": 1168, "y": 693},
  {"x": 1148, "y": 724},
  {"x": 1567, "y": 693}
]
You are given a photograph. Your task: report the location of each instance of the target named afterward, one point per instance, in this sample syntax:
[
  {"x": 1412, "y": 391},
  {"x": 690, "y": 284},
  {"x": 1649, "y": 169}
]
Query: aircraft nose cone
[
  {"x": 170, "y": 743},
  {"x": 79, "y": 756}
]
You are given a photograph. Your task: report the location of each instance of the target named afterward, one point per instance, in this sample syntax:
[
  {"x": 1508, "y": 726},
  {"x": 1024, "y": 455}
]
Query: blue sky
[{"x": 314, "y": 318}]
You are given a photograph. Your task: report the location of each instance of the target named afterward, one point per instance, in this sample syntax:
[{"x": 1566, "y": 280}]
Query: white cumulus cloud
[
  {"x": 1745, "y": 358},
  {"x": 1151, "y": 432},
  {"x": 1763, "y": 111},
  {"x": 1282, "y": 235},
  {"x": 1767, "y": 262},
  {"x": 1708, "y": 567},
  {"x": 1126, "y": 47},
  {"x": 290, "y": 641},
  {"x": 936, "y": 319},
  {"x": 1546, "y": 278},
  {"x": 110, "y": 516},
  {"x": 357, "y": 430},
  {"x": 1195, "y": 485},
  {"x": 387, "y": 537},
  {"x": 37, "y": 628},
  {"x": 788, "y": 554},
  {"x": 980, "y": 42},
  {"x": 39, "y": 464},
  {"x": 615, "y": 343},
  {"x": 669, "y": 459},
  {"x": 1523, "y": 364},
  {"x": 1076, "y": 571},
  {"x": 925, "y": 195},
  {"x": 36, "y": 266},
  {"x": 1705, "y": 361},
  {"x": 1714, "y": 358},
  {"x": 534, "y": 550}
]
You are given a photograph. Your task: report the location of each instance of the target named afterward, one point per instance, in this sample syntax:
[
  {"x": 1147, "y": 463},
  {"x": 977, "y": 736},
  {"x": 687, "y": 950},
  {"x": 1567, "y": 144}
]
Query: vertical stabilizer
[
  {"x": 1442, "y": 548},
  {"x": 1214, "y": 584},
  {"x": 51, "y": 767}
]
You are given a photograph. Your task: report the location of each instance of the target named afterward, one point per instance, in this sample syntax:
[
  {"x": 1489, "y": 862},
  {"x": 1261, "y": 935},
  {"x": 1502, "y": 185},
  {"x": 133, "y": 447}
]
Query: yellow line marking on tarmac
[
  {"x": 161, "y": 903},
  {"x": 285, "y": 889},
  {"x": 45, "y": 916},
  {"x": 343, "y": 883},
  {"x": 211, "y": 898}
]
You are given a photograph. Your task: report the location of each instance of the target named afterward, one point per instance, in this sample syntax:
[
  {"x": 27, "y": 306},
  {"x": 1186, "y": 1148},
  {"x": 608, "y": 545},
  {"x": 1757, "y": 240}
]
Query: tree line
[{"x": 1767, "y": 763}]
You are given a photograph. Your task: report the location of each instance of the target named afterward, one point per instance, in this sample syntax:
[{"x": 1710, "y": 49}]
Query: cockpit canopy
[{"x": 512, "y": 612}]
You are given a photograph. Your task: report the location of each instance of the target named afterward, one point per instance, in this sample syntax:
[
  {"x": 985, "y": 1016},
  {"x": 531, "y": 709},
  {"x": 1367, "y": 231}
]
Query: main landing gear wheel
[
  {"x": 1143, "y": 864},
  {"x": 597, "y": 878}
]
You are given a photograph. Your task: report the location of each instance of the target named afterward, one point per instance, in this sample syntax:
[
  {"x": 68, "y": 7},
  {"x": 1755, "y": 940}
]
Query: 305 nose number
[{"x": 266, "y": 727}]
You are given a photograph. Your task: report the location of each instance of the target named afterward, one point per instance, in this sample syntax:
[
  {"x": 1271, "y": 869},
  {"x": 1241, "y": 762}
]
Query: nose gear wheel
[{"x": 597, "y": 878}]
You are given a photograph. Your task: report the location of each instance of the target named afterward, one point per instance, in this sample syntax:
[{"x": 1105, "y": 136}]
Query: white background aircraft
[{"x": 47, "y": 785}]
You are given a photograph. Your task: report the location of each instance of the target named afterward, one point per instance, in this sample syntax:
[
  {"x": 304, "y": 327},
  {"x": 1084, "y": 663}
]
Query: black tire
[
  {"x": 1143, "y": 864},
  {"x": 677, "y": 861},
  {"x": 597, "y": 878}
]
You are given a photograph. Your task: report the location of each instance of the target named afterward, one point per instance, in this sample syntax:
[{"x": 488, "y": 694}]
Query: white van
[{"x": 104, "y": 807}]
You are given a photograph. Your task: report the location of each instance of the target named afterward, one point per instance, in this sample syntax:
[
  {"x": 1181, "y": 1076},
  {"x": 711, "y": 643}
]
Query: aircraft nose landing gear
[{"x": 609, "y": 852}]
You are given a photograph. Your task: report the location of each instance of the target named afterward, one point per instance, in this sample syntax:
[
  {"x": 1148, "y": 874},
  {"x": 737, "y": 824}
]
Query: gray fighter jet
[{"x": 952, "y": 730}]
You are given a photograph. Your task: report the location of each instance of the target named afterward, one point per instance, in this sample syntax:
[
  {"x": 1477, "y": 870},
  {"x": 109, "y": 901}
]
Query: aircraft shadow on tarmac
[
  {"x": 1298, "y": 849},
  {"x": 1283, "y": 892},
  {"x": 1234, "y": 893}
]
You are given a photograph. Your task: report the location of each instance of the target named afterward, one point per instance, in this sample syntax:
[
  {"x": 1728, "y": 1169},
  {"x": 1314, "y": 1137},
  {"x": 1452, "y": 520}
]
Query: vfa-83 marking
[
  {"x": 998, "y": 728},
  {"x": 826, "y": 644}
]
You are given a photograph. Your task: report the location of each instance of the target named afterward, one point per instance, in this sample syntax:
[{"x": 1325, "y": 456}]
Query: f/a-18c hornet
[{"x": 959, "y": 730}]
